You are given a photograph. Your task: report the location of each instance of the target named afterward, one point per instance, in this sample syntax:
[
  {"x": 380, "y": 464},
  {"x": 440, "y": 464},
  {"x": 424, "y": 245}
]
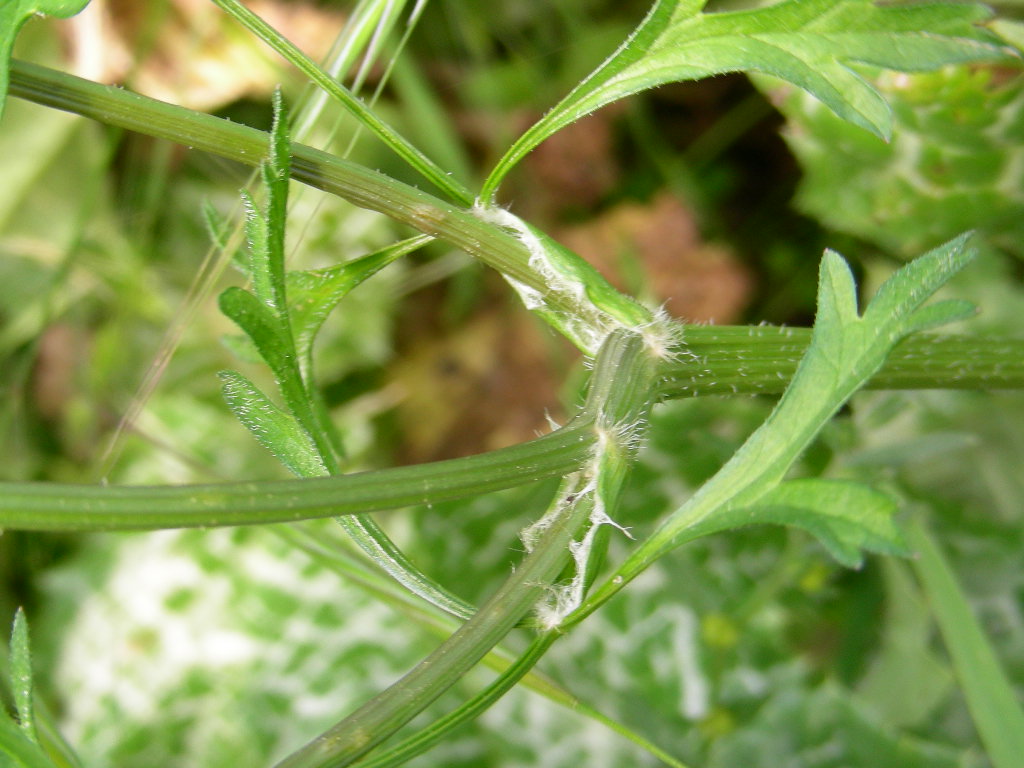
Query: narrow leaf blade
[
  {"x": 276, "y": 430},
  {"x": 21, "y": 676},
  {"x": 313, "y": 294},
  {"x": 996, "y": 711}
]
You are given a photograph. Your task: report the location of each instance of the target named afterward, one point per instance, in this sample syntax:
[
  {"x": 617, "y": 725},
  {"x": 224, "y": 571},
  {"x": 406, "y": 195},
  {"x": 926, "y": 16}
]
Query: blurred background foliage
[{"x": 714, "y": 199}]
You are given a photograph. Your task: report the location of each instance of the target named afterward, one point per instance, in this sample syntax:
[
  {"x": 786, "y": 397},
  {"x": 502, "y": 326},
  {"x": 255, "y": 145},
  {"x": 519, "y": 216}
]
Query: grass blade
[
  {"x": 995, "y": 709},
  {"x": 386, "y": 133}
]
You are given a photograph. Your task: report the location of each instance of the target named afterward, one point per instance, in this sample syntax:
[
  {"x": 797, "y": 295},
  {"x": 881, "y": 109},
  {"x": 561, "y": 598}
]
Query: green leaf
[
  {"x": 265, "y": 230},
  {"x": 21, "y": 675},
  {"x": 845, "y": 351},
  {"x": 268, "y": 333},
  {"x": 313, "y": 294},
  {"x": 13, "y": 15},
  {"x": 846, "y": 517},
  {"x": 994, "y": 706},
  {"x": 275, "y": 429},
  {"x": 809, "y": 43}
]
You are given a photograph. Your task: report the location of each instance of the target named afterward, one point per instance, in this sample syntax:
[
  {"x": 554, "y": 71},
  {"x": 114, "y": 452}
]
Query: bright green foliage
[
  {"x": 810, "y": 43},
  {"x": 19, "y": 743},
  {"x": 13, "y": 14},
  {"x": 718, "y": 682},
  {"x": 846, "y": 349},
  {"x": 263, "y": 313},
  {"x": 955, "y": 160},
  {"x": 314, "y": 294}
]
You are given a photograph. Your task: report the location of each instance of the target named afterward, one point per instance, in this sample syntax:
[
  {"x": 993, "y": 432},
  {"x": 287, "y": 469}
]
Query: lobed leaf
[
  {"x": 845, "y": 351},
  {"x": 955, "y": 160},
  {"x": 812, "y": 44},
  {"x": 846, "y": 517},
  {"x": 13, "y": 15}
]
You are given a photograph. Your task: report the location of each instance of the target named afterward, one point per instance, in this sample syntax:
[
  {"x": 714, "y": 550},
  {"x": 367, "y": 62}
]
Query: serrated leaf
[
  {"x": 809, "y": 43},
  {"x": 13, "y": 15},
  {"x": 846, "y": 517},
  {"x": 21, "y": 675},
  {"x": 313, "y": 294},
  {"x": 276, "y": 430}
]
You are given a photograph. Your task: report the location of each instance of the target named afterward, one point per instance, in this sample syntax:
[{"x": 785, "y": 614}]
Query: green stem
[
  {"x": 67, "y": 507},
  {"x": 762, "y": 360},
  {"x": 355, "y": 570},
  {"x": 395, "y": 706},
  {"x": 420, "y": 742},
  {"x": 359, "y": 185},
  {"x": 343, "y": 96},
  {"x": 616, "y": 392},
  {"x": 717, "y": 365}
]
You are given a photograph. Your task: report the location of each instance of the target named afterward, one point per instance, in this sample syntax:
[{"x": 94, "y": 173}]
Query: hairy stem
[{"x": 618, "y": 391}]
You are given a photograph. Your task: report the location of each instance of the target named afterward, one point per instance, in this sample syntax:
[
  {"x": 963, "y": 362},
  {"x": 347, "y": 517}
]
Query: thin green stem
[
  {"x": 357, "y": 571},
  {"x": 423, "y": 740},
  {"x": 420, "y": 742},
  {"x": 343, "y": 96},
  {"x": 67, "y": 507}
]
